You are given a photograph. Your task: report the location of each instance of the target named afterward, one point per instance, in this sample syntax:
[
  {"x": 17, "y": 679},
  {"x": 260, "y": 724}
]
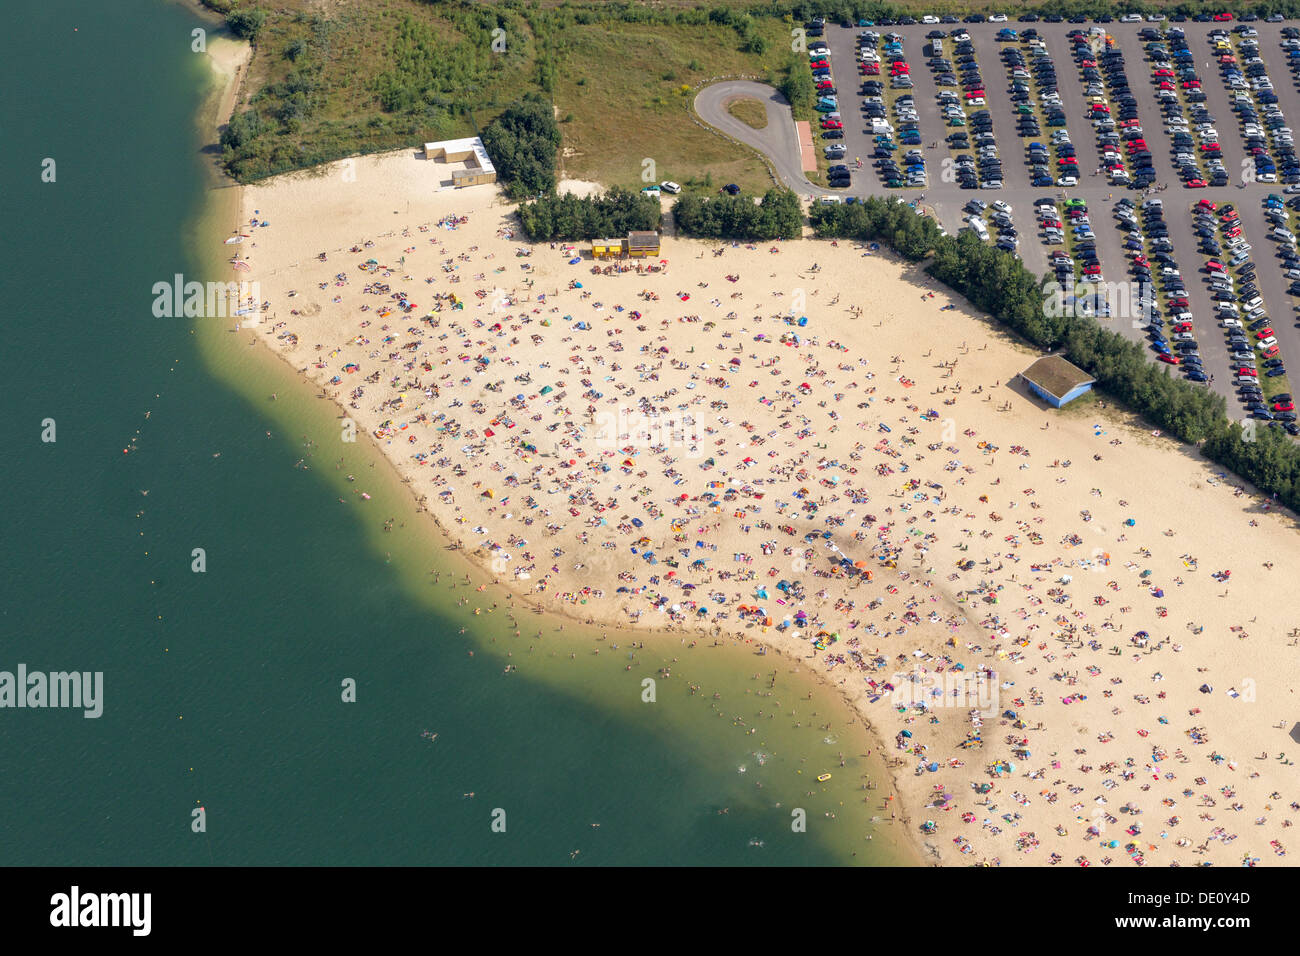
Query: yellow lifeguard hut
[{"x": 639, "y": 244}]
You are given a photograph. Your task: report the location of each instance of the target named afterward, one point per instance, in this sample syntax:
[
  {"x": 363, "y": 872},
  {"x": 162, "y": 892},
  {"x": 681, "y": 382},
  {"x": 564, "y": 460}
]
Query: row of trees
[
  {"x": 523, "y": 141},
  {"x": 998, "y": 283},
  {"x": 778, "y": 216},
  {"x": 571, "y": 218}
]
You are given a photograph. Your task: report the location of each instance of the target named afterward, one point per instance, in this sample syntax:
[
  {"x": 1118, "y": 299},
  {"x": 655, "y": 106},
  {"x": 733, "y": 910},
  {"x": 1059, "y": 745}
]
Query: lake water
[{"x": 223, "y": 689}]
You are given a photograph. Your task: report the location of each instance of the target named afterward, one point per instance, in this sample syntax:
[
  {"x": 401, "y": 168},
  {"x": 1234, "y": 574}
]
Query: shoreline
[
  {"x": 913, "y": 791},
  {"x": 231, "y": 66}
]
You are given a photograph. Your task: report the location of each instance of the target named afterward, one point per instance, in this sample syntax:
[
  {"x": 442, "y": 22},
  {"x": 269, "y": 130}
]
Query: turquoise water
[{"x": 223, "y": 689}]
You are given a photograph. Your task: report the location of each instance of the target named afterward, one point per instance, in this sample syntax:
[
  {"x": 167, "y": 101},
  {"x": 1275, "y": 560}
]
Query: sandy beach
[{"x": 1062, "y": 627}]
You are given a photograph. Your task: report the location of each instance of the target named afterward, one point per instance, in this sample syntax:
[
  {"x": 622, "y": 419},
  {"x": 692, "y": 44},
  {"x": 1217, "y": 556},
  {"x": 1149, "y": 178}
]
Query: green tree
[{"x": 246, "y": 23}]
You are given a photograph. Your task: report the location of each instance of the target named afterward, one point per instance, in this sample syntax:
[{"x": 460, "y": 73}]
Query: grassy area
[
  {"x": 749, "y": 111},
  {"x": 614, "y": 121},
  {"x": 328, "y": 81}
]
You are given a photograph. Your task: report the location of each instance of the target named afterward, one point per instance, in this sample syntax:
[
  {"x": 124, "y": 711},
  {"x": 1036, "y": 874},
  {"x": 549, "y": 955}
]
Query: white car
[
  {"x": 1228, "y": 323},
  {"x": 1267, "y": 343},
  {"x": 670, "y": 187},
  {"x": 997, "y": 18},
  {"x": 1131, "y": 18},
  {"x": 929, "y": 18},
  {"x": 1002, "y": 206}
]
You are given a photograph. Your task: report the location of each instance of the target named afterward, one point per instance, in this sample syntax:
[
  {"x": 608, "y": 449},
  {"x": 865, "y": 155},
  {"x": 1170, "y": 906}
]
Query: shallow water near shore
[{"x": 223, "y": 688}]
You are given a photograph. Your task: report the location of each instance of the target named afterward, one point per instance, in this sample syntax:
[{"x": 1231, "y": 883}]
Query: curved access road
[{"x": 778, "y": 141}]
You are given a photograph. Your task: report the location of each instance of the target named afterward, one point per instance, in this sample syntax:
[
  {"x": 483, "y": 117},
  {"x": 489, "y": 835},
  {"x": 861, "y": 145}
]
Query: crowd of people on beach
[{"x": 746, "y": 466}]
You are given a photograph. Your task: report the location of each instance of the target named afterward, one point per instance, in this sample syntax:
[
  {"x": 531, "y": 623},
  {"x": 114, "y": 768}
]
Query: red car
[
  {"x": 1191, "y": 84},
  {"x": 832, "y": 124},
  {"x": 1164, "y": 85},
  {"x": 1171, "y": 359},
  {"x": 1264, "y": 333},
  {"x": 1222, "y": 17},
  {"x": 1215, "y": 266},
  {"x": 1284, "y": 407},
  {"x": 1092, "y": 269},
  {"x": 1248, "y": 372},
  {"x": 1207, "y": 204},
  {"x": 1067, "y": 161},
  {"x": 1196, "y": 184},
  {"x": 1271, "y": 351},
  {"x": 1178, "y": 303},
  {"x": 1233, "y": 233},
  {"x": 1183, "y": 327},
  {"x": 1140, "y": 260},
  {"x": 1163, "y": 72},
  {"x": 819, "y": 65}
]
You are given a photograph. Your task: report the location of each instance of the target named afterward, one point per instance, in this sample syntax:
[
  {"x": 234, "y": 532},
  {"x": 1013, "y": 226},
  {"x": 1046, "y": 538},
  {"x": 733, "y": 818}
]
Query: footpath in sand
[{"x": 1074, "y": 637}]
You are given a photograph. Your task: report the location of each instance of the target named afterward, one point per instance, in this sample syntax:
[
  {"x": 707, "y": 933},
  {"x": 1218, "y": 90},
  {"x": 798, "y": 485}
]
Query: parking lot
[{"x": 1131, "y": 99}]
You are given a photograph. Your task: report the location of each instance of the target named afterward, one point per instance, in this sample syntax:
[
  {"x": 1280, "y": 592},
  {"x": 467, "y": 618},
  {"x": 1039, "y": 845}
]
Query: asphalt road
[{"x": 779, "y": 142}]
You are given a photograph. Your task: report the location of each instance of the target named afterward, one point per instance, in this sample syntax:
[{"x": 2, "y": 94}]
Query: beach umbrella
[
  {"x": 906, "y": 733},
  {"x": 932, "y": 767}
]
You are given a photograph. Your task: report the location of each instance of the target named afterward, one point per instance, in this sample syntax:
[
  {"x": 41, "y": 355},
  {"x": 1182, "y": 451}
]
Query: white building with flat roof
[{"x": 469, "y": 154}]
